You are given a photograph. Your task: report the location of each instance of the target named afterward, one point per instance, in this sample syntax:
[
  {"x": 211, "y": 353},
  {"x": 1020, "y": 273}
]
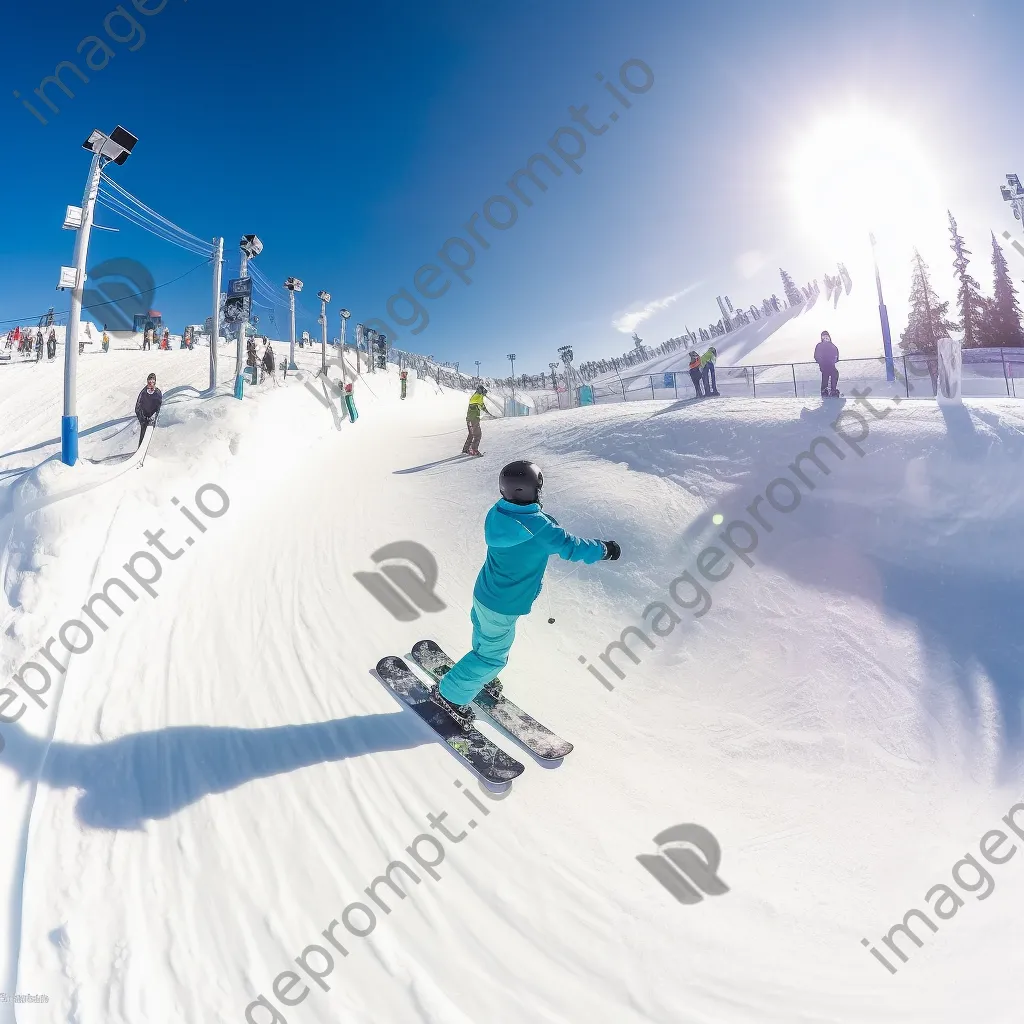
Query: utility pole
[
  {"x": 554, "y": 376},
  {"x": 116, "y": 147},
  {"x": 293, "y": 284},
  {"x": 512, "y": 360},
  {"x": 218, "y": 267}
]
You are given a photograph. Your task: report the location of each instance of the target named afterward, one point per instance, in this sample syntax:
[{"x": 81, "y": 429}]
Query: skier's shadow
[
  {"x": 151, "y": 775},
  {"x": 430, "y": 465}
]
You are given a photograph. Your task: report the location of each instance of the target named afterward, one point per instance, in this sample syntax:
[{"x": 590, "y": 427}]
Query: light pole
[
  {"x": 345, "y": 314},
  {"x": 371, "y": 345},
  {"x": 512, "y": 360},
  {"x": 218, "y": 266},
  {"x": 477, "y": 361},
  {"x": 250, "y": 247},
  {"x": 293, "y": 284},
  {"x": 115, "y": 147},
  {"x": 566, "y": 353},
  {"x": 324, "y": 298},
  {"x": 554, "y": 377},
  {"x": 1013, "y": 193},
  {"x": 883, "y": 315}
]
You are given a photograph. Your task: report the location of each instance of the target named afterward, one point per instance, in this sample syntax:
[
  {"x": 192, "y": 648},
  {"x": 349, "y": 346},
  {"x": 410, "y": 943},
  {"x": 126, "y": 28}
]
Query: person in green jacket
[
  {"x": 476, "y": 404},
  {"x": 707, "y": 371}
]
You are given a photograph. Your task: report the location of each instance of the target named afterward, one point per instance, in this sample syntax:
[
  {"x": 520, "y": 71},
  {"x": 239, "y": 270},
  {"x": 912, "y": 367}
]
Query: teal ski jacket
[{"x": 520, "y": 539}]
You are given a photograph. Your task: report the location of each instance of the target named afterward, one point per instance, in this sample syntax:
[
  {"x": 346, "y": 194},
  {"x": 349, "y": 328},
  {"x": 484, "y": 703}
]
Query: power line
[{"x": 110, "y": 302}]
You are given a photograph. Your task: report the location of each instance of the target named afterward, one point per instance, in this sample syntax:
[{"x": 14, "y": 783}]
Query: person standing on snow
[
  {"x": 147, "y": 405},
  {"x": 707, "y": 371},
  {"x": 520, "y": 538},
  {"x": 695, "y": 374},
  {"x": 826, "y": 355},
  {"x": 473, "y": 433}
]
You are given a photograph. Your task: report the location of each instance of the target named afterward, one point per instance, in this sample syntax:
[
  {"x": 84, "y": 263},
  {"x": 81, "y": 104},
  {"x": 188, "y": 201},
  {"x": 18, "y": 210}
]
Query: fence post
[
  {"x": 753, "y": 379},
  {"x": 1006, "y": 378},
  {"x": 795, "y": 394},
  {"x": 675, "y": 383},
  {"x": 623, "y": 386},
  {"x": 906, "y": 375},
  {"x": 652, "y": 386}
]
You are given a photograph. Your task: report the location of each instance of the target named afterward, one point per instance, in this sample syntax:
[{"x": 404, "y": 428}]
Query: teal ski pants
[{"x": 493, "y": 634}]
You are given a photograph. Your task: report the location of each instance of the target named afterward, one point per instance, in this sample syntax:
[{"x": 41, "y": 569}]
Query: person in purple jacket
[
  {"x": 520, "y": 539},
  {"x": 826, "y": 355}
]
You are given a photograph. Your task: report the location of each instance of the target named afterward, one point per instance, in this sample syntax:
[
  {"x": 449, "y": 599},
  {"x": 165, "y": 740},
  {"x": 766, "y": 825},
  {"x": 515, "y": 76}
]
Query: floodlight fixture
[
  {"x": 117, "y": 146},
  {"x": 293, "y": 284},
  {"x": 345, "y": 314},
  {"x": 251, "y": 246}
]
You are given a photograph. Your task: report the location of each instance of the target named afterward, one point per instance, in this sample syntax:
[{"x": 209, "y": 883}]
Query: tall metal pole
[
  {"x": 323, "y": 337},
  {"x": 218, "y": 265},
  {"x": 344, "y": 333},
  {"x": 242, "y": 324},
  {"x": 291, "y": 348},
  {"x": 883, "y": 315},
  {"x": 69, "y": 421}
]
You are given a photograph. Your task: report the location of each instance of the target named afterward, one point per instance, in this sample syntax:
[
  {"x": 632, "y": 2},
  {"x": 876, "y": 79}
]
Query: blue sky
[{"x": 357, "y": 139}]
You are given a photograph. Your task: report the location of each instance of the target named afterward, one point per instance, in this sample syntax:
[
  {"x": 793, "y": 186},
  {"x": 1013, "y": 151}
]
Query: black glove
[{"x": 611, "y": 550}]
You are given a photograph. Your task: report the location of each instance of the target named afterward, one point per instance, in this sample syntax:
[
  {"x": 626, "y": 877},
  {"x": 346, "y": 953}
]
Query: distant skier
[
  {"x": 695, "y": 374},
  {"x": 147, "y": 405},
  {"x": 39, "y": 346},
  {"x": 473, "y": 432},
  {"x": 51, "y": 345},
  {"x": 707, "y": 371},
  {"x": 106, "y": 339},
  {"x": 404, "y": 377},
  {"x": 250, "y": 359},
  {"x": 520, "y": 538},
  {"x": 826, "y": 355}
]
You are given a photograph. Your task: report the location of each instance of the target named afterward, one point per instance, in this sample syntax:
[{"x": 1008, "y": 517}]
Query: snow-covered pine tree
[
  {"x": 1002, "y": 323},
  {"x": 790, "y": 289},
  {"x": 927, "y": 322},
  {"x": 970, "y": 302}
]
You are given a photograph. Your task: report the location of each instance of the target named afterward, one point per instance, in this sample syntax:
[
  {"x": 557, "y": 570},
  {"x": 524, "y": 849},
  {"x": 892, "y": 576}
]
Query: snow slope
[
  {"x": 219, "y": 779},
  {"x": 790, "y": 336}
]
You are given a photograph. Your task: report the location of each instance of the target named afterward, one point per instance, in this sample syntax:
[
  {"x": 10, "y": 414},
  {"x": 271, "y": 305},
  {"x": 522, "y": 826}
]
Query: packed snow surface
[{"x": 200, "y": 807}]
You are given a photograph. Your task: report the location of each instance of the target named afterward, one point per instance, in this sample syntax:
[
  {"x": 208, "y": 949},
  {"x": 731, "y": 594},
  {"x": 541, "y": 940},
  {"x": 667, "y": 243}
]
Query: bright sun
[{"x": 856, "y": 171}]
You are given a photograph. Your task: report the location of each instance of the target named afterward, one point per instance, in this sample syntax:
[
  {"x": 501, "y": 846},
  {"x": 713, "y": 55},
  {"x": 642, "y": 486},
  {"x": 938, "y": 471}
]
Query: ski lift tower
[
  {"x": 324, "y": 298},
  {"x": 113, "y": 148},
  {"x": 566, "y": 353}
]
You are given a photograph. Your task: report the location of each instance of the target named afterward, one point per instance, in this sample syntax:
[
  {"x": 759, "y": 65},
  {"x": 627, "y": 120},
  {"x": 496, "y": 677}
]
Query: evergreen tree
[
  {"x": 927, "y": 321},
  {"x": 970, "y": 302},
  {"x": 790, "y": 289},
  {"x": 1002, "y": 324}
]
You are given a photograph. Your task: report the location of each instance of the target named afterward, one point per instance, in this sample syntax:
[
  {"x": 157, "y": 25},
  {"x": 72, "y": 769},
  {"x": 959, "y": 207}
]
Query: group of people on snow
[
  {"x": 28, "y": 343},
  {"x": 260, "y": 366}
]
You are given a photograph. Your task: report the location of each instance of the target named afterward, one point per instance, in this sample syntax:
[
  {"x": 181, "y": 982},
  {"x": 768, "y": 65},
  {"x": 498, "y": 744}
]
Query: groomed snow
[{"x": 220, "y": 777}]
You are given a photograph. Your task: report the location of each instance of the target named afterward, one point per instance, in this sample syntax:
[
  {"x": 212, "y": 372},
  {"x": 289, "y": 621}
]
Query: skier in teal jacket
[{"x": 520, "y": 539}]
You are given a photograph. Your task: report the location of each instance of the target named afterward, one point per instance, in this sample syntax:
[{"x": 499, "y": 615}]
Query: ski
[
  {"x": 473, "y": 748},
  {"x": 516, "y": 722}
]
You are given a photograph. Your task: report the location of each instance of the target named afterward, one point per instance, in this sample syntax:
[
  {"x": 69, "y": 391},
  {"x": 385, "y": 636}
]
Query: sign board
[
  {"x": 670, "y": 380},
  {"x": 238, "y": 304}
]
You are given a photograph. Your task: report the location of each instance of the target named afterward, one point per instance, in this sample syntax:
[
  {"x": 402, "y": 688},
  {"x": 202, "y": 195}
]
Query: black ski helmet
[{"x": 521, "y": 483}]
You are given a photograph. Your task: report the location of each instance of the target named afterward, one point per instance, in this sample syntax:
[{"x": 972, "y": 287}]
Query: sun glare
[{"x": 855, "y": 172}]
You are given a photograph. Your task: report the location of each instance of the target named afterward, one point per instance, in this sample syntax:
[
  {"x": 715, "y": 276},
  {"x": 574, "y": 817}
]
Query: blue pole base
[
  {"x": 69, "y": 440},
  {"x": 239, "y": 386},
  {"x": 291, "y": 365}
]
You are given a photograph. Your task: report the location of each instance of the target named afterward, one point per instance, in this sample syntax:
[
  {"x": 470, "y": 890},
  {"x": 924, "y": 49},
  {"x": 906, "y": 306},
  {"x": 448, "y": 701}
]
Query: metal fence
[{"x": 986, "y": 372}]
